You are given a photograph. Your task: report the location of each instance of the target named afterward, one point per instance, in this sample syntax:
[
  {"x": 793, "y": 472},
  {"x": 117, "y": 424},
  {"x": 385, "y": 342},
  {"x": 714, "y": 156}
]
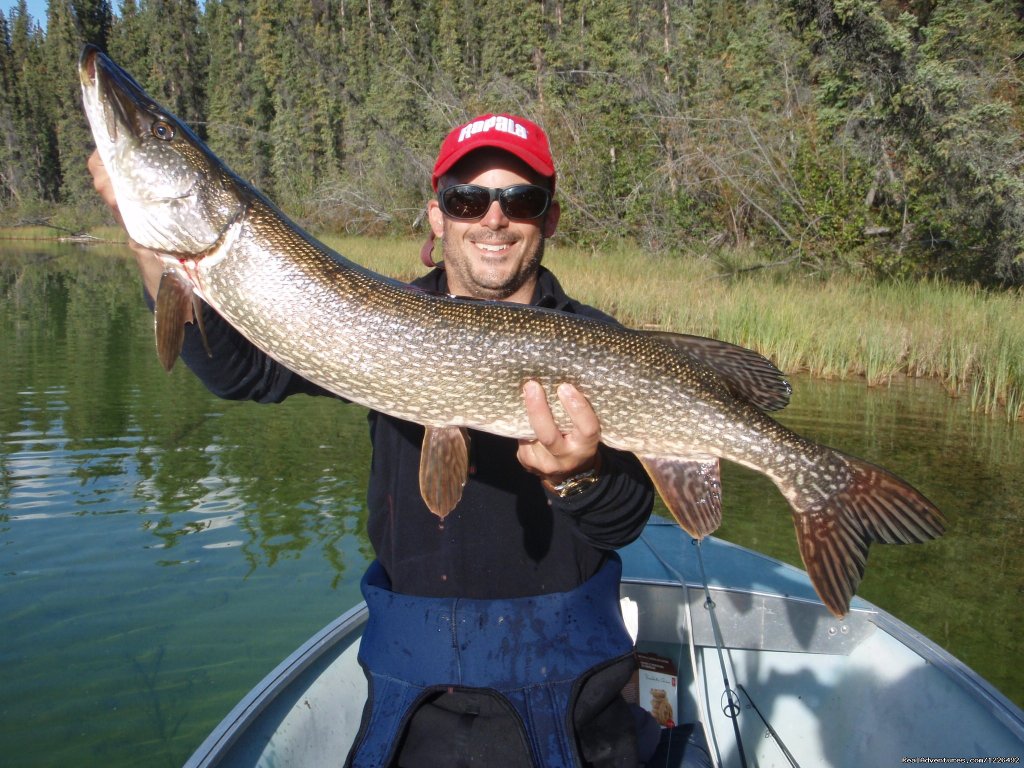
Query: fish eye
[{"x": 163, "y": 130}]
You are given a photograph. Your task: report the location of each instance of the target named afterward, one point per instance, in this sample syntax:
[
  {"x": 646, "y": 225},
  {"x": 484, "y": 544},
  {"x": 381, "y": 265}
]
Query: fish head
[{"x": 174, "y": 195}]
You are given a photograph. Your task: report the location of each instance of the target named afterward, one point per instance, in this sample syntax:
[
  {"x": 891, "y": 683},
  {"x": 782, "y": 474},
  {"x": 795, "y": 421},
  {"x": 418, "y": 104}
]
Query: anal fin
[
  {"x": 691, "y": 489},
  {"x": 444, "y": 466}
]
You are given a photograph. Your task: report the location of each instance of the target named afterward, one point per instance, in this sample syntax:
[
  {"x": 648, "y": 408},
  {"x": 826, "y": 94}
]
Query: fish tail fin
[{"x": 835, "y": 532}]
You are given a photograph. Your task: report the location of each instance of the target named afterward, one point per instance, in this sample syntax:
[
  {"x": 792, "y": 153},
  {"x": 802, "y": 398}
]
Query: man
[{"x": 521, "y": 576}]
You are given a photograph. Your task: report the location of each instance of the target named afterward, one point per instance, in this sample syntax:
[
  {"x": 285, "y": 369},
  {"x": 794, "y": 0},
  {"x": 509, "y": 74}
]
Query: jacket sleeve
[
  {"x": 234, "y": 368},
  {"x": 613, "y": 512}
]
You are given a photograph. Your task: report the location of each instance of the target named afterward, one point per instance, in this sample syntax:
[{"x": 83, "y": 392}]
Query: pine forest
[{"x": 880, "y": 136}]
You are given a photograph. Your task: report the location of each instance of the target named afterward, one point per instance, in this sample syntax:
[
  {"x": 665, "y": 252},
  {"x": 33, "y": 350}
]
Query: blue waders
[{"x": 533, "y": 652}]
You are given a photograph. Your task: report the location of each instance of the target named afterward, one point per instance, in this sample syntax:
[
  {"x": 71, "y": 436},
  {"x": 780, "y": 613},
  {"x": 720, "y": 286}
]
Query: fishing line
[
  {"x": 705, "y": 720},
  {"x": 732, "y": 708}
]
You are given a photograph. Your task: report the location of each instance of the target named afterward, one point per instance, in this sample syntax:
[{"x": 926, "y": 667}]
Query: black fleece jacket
[{"x": 508, "y": 537}]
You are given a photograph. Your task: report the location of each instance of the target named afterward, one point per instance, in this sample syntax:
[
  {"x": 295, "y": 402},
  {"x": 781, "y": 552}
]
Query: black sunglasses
[{"x": 468, "y": 202}]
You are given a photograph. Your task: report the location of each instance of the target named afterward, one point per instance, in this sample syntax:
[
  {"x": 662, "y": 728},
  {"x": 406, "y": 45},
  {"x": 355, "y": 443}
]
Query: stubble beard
[{"x": 495, "y": 290}]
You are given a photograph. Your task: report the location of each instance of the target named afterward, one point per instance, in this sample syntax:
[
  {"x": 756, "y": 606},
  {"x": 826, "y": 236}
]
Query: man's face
[{"x": 493, "y": 257}]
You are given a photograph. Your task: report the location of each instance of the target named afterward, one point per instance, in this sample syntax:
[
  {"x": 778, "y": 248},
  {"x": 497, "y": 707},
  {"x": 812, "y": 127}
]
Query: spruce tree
[
  {"x": 33, "y": 169},
  {"x": 69, "y": 26},
  {"x": 9, "y": 171},
  {"x": 129, "y": 44},
  {"x": 239, "y": 104},
  {"x": 303, "y": 153},
  {"x": 176, "y": 58},
  {"x": 594, "y": 103}
]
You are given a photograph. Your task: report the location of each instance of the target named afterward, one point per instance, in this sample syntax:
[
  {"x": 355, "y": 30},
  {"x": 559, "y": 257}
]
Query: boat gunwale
[
  {"x": 987, "y": 695},
  {"x": 991, "y": 699},
  {"x": 864, "y": 608}
]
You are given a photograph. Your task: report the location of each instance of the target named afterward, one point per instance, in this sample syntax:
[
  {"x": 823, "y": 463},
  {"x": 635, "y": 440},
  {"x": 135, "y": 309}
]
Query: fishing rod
[
  {"x": 732, "y": 709},
  {"x": 772, "y": 731}
]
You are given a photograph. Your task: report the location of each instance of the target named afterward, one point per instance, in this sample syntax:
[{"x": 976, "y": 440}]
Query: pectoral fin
[
  {"x": 444, "y": 466},
  {"x": 173, "y": 309},
  {"x": 691, "y": 489},
  {"x": 176, "y": 304}
]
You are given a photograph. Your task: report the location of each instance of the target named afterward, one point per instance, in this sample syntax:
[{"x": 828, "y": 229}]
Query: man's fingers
[
  {"x": 585, "y": 426},
  {"x": 555, "y": 455},
  {"x": 584, "y": 420},
  {"x": 539, "y": 414}
]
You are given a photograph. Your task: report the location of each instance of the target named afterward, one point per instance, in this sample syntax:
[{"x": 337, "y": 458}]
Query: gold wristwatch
[{"x": 575, "y": 485}]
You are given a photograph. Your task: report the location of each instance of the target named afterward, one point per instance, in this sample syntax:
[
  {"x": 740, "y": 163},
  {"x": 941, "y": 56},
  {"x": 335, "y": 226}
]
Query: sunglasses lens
[
  {"x": 470, "y": 202},
  {"x": 465, "y": 201},
  {"x": 525, "y": 201}
]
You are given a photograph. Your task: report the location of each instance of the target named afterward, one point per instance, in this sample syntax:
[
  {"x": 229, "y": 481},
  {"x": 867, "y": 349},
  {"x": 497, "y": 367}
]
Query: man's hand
[
  {"x": 101, "y": 181},
  {"x": 149, "y": 261},
  {"x": 102, "y": 184},
  {"x": 555, "y": 456}
]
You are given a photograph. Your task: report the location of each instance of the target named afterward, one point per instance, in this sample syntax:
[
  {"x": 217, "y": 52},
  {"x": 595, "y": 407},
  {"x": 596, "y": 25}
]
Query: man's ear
[
  {"x": 436, "y": 218},
  {"x": 551, "y": 219}
]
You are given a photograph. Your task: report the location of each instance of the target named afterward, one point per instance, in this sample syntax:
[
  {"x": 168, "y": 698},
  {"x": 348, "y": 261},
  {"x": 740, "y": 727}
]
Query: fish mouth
[
  {"x": 87, "y": 64},
  {"x": 124, "y": 103}
]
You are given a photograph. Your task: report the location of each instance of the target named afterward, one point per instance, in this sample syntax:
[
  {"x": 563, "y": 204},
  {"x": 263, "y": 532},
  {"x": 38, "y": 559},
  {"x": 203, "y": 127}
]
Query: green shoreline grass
[{"x": 843, "y": 326}]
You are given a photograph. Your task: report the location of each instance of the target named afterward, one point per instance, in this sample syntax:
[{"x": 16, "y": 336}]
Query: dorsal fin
[{"x": 744, "y": 372}]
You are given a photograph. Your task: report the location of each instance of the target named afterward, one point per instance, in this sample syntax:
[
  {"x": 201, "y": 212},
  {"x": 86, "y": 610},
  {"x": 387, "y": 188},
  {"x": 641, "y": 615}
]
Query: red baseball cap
[{"x": 511, "y": 133}]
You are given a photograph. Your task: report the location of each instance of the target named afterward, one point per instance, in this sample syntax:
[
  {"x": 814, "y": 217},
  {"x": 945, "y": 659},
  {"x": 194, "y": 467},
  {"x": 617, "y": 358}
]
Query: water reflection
[
  {"x": 157, "y": 520},
  {"x": 160, "y": 550},
  {"x": 91, "y": 426},
  {"x": 268, "y": 476}
]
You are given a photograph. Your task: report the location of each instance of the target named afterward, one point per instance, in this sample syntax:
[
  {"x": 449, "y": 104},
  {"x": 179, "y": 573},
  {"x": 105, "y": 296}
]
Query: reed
[{"x": 840, "y": 327}]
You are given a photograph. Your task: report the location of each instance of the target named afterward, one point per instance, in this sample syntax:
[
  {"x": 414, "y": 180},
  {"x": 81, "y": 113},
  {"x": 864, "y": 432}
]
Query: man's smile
[{"x": 497, "y": 248}]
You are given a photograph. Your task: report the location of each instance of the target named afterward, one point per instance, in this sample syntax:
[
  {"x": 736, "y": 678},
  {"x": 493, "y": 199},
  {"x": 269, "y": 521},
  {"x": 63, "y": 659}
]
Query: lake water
[{"x": 161, "y": 550}]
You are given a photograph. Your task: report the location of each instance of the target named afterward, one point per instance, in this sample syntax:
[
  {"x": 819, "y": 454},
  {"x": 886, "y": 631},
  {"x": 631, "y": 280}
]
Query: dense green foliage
[{"x": 855, "y": 134}]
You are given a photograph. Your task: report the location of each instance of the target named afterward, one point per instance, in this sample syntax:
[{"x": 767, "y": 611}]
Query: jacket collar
[{"x": 548, "y": 292}]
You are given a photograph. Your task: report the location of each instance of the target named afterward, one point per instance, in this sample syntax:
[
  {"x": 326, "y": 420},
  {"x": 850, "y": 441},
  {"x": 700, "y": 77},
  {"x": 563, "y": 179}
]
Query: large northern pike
[{"x": 680, "y": 403}]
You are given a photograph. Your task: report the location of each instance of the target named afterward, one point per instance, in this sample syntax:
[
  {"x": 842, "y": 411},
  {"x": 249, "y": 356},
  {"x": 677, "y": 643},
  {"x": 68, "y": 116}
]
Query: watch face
[{"x": 577, "y": 483}]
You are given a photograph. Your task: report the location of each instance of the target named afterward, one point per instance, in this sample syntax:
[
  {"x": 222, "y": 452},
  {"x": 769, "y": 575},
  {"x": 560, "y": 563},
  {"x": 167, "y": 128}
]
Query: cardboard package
[{"x": 658, "y": 684}]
